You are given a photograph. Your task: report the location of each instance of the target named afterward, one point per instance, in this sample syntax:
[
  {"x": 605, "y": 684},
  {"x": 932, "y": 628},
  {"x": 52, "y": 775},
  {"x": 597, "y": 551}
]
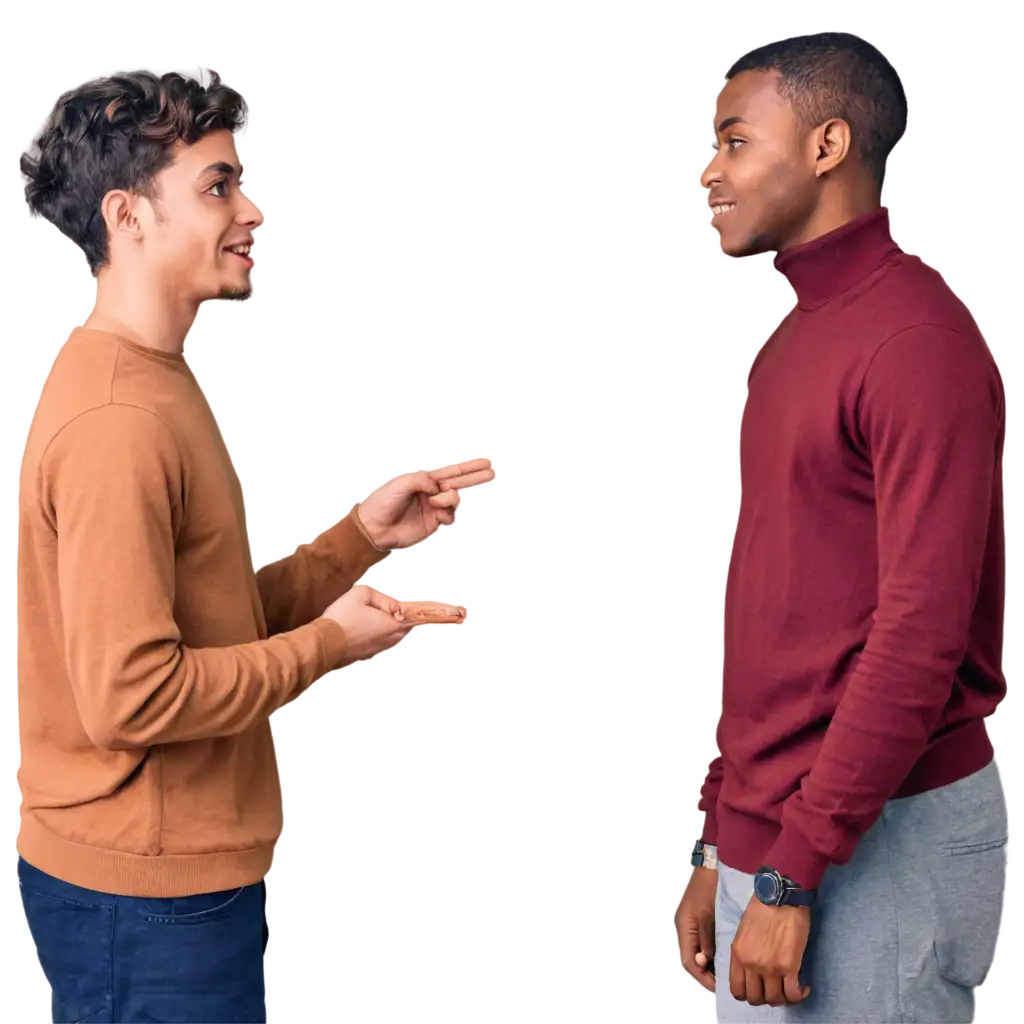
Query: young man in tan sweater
[{"x": 151, "y": 655}]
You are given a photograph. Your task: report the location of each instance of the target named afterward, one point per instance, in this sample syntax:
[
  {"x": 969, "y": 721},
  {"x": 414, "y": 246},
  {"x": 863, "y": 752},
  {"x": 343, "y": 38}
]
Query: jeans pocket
[
  {"x": 73, "y": 945},
  {"x": 201, "y": 961},
  {"x": 191, "y": 910},
  {"x": 969, "y": 909},
  {"x": 961, "y": 849}
]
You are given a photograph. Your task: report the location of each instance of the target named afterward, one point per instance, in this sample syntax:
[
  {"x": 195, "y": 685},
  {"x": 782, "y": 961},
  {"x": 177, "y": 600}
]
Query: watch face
[{"x": 767, "y": 888}]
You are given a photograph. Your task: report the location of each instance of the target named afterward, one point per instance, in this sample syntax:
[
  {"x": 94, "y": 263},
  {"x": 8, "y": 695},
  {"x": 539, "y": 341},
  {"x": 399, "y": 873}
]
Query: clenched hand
[{"x": 695, "y": 926}]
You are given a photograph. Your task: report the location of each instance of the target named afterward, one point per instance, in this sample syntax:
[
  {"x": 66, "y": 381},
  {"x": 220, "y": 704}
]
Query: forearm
[
  {"x": 296, "y": 589},
  {"x": 877, "y": 734},
  {"x": 164, "y": 692}
]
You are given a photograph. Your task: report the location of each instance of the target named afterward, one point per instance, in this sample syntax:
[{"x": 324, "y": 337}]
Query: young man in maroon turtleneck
[{"x": 852, "y": 860}]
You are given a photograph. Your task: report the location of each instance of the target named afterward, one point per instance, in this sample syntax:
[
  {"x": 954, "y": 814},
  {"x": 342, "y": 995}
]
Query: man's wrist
[
  {"x": 366, "y": 530},
  {"x": 793, "y": 856},
  {"x": 705, "y": 855},
  {"x": 774, "y": 889}
]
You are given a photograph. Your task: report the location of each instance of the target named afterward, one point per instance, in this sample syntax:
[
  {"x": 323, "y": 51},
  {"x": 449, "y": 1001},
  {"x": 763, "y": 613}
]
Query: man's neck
[
  {"x": 142, "y": 313},
  {"x": 837, "y": 208}
]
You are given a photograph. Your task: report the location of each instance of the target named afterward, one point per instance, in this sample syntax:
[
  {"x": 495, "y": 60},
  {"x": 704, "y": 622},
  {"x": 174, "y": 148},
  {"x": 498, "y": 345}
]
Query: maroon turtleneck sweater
[{"x": 864, "y": 605}]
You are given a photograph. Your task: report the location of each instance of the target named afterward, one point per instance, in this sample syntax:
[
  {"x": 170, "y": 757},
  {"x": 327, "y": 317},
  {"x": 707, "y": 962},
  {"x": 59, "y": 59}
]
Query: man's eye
[{"x": 734, "y": 142}]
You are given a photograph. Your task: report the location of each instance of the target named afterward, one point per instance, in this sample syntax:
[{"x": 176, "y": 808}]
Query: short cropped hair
[
  {"x": 835, "y": 74},
  {"x": 117, "y": 133}
]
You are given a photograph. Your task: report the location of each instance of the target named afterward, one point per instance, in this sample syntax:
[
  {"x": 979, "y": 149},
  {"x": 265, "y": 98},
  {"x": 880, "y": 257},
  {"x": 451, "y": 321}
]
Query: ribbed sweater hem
[{"x": 161, "y": 876}]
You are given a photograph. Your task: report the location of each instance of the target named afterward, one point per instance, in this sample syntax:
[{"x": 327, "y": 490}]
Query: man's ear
[
  {"x": 833, "y": 141},
  {"x": 126, "y": 215}
]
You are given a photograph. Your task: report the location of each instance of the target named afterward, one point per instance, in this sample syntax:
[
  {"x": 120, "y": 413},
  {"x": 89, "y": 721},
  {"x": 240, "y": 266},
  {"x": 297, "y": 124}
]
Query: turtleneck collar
[{"x": 826, "y": 266}]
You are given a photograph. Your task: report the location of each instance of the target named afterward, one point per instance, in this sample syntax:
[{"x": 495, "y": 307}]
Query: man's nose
[
  {"x": 251, "y": 215},
  {"x": 712, "y": 175}
]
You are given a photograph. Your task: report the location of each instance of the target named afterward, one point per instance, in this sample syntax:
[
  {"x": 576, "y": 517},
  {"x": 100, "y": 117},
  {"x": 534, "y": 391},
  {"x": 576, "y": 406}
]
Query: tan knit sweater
[{"x": 145, "y": 674}]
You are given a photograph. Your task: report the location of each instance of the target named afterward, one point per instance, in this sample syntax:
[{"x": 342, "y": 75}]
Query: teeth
[
  {"x": 242, "y": 250},
  {"x": 723, "y": 209}
]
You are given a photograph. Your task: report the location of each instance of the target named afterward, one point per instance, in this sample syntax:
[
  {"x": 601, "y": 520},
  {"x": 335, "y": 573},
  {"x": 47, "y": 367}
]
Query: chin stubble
[
  {"x": 235, "y": 294},
  {"x": 758, "y": 250}
]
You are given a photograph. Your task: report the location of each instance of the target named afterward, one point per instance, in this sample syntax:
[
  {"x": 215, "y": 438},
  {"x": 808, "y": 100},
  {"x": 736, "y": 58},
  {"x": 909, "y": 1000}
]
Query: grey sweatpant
[{"x": 907, "y": 929}]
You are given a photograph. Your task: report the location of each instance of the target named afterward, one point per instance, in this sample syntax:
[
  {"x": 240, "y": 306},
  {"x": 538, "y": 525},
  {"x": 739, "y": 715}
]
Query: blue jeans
[{"x": 124, "y": 958}]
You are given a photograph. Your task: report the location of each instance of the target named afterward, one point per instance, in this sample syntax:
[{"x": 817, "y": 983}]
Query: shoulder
[
  {"x": 932, "y": 373},
  {"x": 925, "y": 298},
  {"x": 111, "y": 445},
  {"x": 927, "y": 350},
  {"x": 87, "y": 376},
  {"x": 921, "y": 329}
]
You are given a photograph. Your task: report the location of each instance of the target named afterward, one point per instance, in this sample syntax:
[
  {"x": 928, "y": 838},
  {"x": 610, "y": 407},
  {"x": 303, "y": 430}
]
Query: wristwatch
[
  {"x": 704, "y": 855},
  {"x": 775, "y": 890}
]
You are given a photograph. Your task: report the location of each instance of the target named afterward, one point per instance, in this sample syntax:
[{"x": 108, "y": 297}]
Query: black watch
[
  {"x": 704, "y": 855},
  {"x": 775, "y": 890}
]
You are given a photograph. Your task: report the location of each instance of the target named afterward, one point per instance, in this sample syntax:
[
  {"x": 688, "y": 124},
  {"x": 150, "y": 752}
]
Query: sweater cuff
[
  {"x": 793, "y": 858},
  {"x": 334, "y": 642},
  {"x": 362, "y": 529},
  {"x": 347, "y": 547}
]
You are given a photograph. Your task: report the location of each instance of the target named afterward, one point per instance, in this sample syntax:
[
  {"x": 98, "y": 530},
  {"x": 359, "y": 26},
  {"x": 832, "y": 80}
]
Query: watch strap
[
  {"x": 704, "y": 855},
  {"x": 790, "y": 894},
  {"x": 797, "y": 897}
]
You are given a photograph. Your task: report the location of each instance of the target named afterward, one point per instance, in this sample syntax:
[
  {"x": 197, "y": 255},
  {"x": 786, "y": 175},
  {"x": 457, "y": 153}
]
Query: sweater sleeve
[
  {"x": 296, "y": 589},
  {"x": 709, "y": 786},
  {"x": 931, "y": 415},
  {"x": 112, "y": 483}
]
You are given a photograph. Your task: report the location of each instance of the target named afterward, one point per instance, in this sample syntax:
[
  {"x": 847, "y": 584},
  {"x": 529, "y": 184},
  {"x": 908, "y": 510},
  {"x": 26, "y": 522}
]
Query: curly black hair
[
  {"x": 117, "y": 133},
  {"x": 836, "y": 74}
]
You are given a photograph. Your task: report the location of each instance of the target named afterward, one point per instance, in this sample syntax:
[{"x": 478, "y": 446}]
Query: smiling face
[
  {"x": 762, "y": 181},
  {"x": 201, "y": 227}
]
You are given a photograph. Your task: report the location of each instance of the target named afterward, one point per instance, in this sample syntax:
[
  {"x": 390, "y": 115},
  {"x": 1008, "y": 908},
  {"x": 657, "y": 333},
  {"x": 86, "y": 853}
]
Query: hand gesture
[
  {"x": 372, "y": 621},
  {"x": 410, "y": 508}
]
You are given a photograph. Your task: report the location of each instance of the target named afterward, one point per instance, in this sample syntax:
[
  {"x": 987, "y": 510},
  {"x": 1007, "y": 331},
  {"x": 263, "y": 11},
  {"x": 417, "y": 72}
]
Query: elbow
[
  {"x": 105, "y": 733},
  {"x": 111, "y": 727},
  {"x": 127, "y": 709}
]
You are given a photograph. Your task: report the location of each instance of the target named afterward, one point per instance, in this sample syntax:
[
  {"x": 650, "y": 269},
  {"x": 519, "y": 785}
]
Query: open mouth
[
  {"x": 242, "y": 252},
  {"x": 717, "y": 211}
]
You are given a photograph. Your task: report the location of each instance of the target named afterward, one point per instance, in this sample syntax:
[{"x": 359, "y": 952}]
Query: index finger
[
  {"x": 691, "y": 955},
  {"x": 461, "y": 469},
  {"x": 457, "y": 483}
]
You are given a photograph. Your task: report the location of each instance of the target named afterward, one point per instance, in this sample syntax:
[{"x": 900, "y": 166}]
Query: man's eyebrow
[
  {"x": 222, "y": 167},
  {"x": 729, "y": 121}
]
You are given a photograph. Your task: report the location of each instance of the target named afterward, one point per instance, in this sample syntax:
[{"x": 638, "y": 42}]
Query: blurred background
[{"x": 485, "y": 236}]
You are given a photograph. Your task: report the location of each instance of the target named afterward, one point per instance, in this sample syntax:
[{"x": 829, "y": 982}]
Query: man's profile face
[
  {"x": 761, "y": 169},
  {"x": 201, "y": 212}
]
